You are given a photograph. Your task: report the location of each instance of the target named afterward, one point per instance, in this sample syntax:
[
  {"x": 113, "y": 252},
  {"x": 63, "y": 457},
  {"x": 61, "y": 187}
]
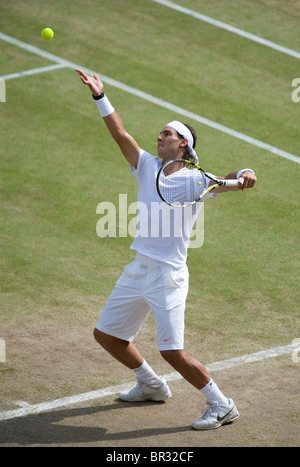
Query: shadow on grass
[{"x": 54, "y": 428}]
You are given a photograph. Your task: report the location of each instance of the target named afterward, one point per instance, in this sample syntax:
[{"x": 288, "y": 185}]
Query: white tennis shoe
[
  {"x": 216, "y": 415},
  {"x": 144, "y": 392}
]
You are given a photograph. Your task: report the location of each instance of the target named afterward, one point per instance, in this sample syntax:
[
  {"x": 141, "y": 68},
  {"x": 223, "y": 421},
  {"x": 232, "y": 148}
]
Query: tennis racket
[{"x": 181, "y": 183}]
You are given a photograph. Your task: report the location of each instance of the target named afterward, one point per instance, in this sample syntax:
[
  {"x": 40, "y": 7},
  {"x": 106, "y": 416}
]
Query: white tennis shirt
[{"x": 163, "y": 232}]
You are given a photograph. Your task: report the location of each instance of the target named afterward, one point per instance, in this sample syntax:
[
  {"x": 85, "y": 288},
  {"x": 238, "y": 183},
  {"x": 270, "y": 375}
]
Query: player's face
[{"x": 169, "y": 145}]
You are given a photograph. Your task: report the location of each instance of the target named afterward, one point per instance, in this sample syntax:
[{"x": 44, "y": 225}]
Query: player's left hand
[{"x": 249, "y": 180}]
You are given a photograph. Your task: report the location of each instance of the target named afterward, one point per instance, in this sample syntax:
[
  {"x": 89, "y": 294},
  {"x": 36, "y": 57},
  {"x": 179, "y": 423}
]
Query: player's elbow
[{"x": 119, "y": 135}]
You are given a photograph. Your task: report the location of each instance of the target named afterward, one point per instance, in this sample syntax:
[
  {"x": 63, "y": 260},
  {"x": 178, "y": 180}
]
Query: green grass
[{"x": 58, "y": 162}]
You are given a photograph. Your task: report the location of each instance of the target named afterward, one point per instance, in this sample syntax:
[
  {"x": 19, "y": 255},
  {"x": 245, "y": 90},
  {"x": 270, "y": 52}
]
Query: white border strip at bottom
[{"x": 27, "y": 409}]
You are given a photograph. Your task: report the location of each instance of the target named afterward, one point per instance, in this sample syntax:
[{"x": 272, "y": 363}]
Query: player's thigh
[
  {"x": 125, "y": 311},
  {"x": 168, "y": 308}
]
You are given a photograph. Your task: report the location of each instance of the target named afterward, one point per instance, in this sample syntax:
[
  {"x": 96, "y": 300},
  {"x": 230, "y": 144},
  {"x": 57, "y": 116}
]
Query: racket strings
[{"x": 181, "y": 185}]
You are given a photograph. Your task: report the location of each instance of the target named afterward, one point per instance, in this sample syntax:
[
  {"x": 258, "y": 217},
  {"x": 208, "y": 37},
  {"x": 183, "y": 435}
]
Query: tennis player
[{"x": 157, "y": 279}]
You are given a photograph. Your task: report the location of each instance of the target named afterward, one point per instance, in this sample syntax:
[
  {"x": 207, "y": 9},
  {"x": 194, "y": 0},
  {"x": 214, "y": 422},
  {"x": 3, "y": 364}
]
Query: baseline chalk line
[{"x": 27, "y": 409}]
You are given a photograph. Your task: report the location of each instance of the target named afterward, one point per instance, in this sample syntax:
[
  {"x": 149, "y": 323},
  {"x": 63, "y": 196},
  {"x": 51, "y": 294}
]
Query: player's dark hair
[{"x": 186, "y": 154}]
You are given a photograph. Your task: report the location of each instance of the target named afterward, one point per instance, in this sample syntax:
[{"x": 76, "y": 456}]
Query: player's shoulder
[
  {"x": 147, "y": 155},
  {"x": 146, "y": 158}
]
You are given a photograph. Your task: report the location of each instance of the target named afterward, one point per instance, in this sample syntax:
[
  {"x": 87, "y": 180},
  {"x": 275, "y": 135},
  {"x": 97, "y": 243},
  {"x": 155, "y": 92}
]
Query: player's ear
[{"x": 183, "y": 142}]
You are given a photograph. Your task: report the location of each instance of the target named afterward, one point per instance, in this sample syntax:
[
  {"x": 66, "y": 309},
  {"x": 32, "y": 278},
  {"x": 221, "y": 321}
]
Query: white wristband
[
  {"x": 104, "y": 106},
  {"x": 243, "y": 170}
]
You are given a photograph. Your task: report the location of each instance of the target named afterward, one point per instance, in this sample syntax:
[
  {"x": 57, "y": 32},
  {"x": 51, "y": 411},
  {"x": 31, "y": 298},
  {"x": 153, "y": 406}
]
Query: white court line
[
  {"x": 27, "y": 409},
  {"x": 154, "y": 100},
  {"x": 229, "y": 28},
  {"x": 33, "y": 71}
]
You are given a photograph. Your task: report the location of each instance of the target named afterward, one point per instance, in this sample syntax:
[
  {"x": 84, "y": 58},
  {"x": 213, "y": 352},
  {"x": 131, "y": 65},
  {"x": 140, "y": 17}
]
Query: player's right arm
[{"x": 126, "y": 142}]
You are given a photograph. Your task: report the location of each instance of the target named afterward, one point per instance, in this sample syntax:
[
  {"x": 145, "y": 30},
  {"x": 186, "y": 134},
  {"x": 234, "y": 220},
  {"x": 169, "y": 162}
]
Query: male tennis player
[{"x": 157, "y": 280}]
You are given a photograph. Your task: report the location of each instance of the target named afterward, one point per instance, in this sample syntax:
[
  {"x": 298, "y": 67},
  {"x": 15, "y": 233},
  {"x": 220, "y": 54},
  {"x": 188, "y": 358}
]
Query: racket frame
[{"x": 218, "y": 182}]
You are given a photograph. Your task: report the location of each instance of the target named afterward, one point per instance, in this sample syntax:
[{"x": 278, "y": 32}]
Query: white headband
[{"x": 185, "y": 132}]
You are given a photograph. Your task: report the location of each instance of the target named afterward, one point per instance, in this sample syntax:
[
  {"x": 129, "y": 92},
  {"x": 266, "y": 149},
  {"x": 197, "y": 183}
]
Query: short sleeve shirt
[{"x": 163, "y": 232}]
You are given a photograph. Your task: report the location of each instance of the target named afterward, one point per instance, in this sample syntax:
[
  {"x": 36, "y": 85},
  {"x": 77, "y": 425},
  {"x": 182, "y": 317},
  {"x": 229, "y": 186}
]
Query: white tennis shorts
[{"x": 148, "y": 285}]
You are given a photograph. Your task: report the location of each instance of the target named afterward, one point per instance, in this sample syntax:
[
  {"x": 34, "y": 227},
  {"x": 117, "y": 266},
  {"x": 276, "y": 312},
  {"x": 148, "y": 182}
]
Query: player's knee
[
  {"x": 170, "y": 356},
  {"x": 175, "y": 358},
  {"x": 103, "y": 339},
  {"x": 97, "y": 336}
]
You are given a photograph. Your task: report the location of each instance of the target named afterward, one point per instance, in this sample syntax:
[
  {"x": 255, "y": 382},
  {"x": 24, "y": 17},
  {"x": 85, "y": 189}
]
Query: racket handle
[{"x": 233, "y": 182}]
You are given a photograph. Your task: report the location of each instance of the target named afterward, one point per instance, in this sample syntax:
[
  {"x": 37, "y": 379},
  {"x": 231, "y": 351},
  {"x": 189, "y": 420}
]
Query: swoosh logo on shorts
[{"x": 166, "y": 340}]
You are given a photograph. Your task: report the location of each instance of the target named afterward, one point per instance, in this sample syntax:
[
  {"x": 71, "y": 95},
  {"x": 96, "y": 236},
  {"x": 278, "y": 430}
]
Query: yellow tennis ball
[{"x": 47, "y": 34}]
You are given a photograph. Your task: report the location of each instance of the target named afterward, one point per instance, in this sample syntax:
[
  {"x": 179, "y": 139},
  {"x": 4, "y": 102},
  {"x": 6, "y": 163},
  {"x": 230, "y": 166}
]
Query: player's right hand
[{"x": 94, "y": 83}]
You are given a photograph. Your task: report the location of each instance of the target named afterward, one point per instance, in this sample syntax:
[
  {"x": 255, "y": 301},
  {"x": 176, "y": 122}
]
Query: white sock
[
  {"x": 146, "y": 374},
  {"x": 213, "y": 393}
]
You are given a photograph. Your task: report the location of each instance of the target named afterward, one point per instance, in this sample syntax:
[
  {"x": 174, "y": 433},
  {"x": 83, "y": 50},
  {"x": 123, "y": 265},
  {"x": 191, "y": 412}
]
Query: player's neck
[{"x": 170, "y": 157}]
